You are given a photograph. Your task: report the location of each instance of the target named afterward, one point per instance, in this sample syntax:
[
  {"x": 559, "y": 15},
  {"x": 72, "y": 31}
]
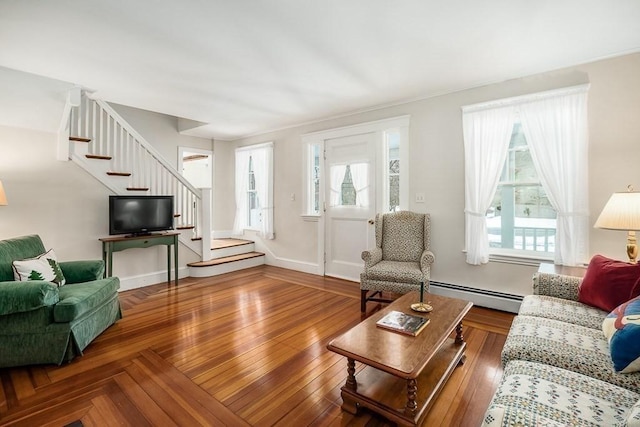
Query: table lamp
[
  {"x": 3, "y": 196},
  {"x": 622, "y": 212}
]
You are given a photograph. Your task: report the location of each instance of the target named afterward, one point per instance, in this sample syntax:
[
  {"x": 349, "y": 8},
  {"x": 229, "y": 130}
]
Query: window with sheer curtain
[
  {"x": 526, "y": 188},
  {"x": 254, "y": 190}
]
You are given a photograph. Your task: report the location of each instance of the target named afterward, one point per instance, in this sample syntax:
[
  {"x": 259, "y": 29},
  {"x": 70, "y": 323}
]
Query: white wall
[
  {"x": 57, "y": 200},
  {"x": 161, "y": 131},
  {"x": 437, "y": 168}
]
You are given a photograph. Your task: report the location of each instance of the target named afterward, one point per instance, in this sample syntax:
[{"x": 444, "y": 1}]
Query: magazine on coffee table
[{"x": 404, "y": 323}]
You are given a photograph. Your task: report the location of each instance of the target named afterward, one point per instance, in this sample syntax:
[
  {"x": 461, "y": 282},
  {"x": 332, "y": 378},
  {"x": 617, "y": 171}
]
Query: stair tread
[
  {"x": 97, "y": 156},
  {"x": 111, "y": 173},
  {"x": 224, "y": 260},
  {"x": 79, "y": 139},
  {"x": 185, "y": 227},
  {"x": 228, "y": 243},
  {"x": 137, "y": 189}
]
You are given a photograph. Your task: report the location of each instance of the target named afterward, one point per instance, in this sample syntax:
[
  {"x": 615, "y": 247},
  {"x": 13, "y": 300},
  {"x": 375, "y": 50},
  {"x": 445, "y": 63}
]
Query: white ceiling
[{"x": 245, "y": 67}]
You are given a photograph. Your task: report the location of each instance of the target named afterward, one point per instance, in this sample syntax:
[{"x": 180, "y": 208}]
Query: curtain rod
[{"x": 526, "y": 98}]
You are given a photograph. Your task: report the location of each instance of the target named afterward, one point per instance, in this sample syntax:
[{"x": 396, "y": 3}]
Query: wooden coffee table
[{"x": 404, "y": 374}]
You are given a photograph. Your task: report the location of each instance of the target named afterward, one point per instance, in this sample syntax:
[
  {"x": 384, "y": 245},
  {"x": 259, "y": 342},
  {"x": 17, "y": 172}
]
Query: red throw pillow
[{"x": 609, "y": 283}]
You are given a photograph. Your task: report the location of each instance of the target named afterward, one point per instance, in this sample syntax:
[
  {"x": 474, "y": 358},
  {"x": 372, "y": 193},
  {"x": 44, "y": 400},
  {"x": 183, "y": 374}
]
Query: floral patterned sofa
[{"x": 558, "y": 367}]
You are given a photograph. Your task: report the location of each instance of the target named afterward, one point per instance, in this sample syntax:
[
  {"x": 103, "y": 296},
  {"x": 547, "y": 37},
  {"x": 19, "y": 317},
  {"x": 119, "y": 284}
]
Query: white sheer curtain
[
  {"x": 242, "y": 186},
  {"x": 360, "y": 177},
  {"x": 486, "y": 140},
  {"x": 337, "y": 176},
  {"x": 262, "y": 161},
  {"x": 556, "y": 131}
]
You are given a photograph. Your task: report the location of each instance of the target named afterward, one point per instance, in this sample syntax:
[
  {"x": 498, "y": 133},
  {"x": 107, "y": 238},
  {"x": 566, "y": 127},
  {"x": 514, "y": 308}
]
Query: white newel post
[
  {"x": 73, "y": 100},
  {"x": 205, "y": 223}
]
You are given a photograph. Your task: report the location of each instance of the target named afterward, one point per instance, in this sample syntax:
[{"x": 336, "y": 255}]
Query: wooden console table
[{"x": 120, "y": 243}]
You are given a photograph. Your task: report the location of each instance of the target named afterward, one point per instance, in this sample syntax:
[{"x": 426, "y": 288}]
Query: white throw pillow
[{"x": 43, "y": 267}]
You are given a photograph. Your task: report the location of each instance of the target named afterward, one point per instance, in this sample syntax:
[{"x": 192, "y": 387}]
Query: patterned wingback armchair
[{"x": 401, "y": 259}]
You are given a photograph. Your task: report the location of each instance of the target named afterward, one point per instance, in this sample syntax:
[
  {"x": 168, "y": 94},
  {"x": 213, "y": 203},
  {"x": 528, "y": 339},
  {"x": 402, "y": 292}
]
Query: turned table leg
[
  {"x": 412, "y": 393},
  {"x": 460, "y": 340},
  {"x": 459, "y": 337},
  {"x": 351, "y": 383},
  {"x": 348, "y": 404}
]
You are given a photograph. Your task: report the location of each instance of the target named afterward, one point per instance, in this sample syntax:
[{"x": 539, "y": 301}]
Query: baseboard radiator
[{"x": 480, "y": 297}]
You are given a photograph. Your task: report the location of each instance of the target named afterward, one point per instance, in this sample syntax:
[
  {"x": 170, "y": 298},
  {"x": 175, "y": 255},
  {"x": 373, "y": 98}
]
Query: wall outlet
[
  {"x": 420, "y": 197},
  {"x": 293, "y": 197}
]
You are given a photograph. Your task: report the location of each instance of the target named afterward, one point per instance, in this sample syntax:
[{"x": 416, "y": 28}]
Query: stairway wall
[
  {"x": 68, "y": 207},
  {"x": 161, "y": 131}
]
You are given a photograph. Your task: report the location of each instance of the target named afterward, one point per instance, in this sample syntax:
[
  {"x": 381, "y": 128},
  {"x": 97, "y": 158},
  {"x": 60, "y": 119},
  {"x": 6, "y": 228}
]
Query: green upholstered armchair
[
  {"x": 401, "y": 259},
  {"x": 41, "y": 323}
]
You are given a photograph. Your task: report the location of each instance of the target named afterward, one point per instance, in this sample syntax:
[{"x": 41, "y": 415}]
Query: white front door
[{"x": 350, "y": 201}]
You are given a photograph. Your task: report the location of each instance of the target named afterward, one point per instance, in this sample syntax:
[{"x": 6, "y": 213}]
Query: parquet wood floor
[{"x": 245, "y": 348}]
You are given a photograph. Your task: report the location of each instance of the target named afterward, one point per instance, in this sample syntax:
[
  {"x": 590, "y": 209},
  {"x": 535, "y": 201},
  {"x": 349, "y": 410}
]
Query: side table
[{"x": 120, "y": 243}]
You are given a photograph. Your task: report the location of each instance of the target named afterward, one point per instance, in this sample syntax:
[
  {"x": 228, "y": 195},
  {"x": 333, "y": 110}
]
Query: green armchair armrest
[
  {"x": 18, "y": 297},
  {"x": 82, "y": 271}
]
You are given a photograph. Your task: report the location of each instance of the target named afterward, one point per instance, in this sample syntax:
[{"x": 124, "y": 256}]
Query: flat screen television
[{"x": 140, "y": 215}]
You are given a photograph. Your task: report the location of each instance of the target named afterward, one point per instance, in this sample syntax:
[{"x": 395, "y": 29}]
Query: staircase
[
  {"x": 98, "y": 139},
  {"x": 227, "y": 255}
]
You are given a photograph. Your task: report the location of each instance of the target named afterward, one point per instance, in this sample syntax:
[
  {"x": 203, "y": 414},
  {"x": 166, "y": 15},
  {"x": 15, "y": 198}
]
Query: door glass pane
[
  {"x": 349, "y": 185},
  {"x": 393, "y": 171},
  {"x": 348, "y": 191}
]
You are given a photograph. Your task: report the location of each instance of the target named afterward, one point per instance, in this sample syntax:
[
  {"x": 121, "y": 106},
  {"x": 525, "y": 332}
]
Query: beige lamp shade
[
  {"x": 622, "y": 212},
  {"x": 3, "y": 196}
]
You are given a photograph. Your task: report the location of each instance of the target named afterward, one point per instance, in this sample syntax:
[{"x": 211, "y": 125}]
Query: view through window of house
[
  {"x": 254, "y": 202},
  {"x": 393, "y": 170},
  {"x": 315, "y": 178},
  {"x": 347, "y": 190},
  {"x": 520, "y": 216}
]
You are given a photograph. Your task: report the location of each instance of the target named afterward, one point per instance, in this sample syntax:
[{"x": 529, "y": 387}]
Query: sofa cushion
[
  {"x": 561, "y": 309},
  {"x": 43, "y": 267},
  {"x": 622, "y": 329},
  {"x": 396, "y": 271},
  {"x": 535, "y": 394},
  {"x": 633, "y": 418},
  {"x": 571, "y": 347},
  {"x": 609, "y": 283},
  {"x": 77, "y": 299},
  {"x": 17, "y": 297}
]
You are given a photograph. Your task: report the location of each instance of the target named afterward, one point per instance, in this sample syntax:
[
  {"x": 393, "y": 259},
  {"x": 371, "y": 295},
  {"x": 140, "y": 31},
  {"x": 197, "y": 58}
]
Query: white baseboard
[
  {"x": 479, "y": 298},
  {"x": 142, "y": 280},
  {"x": 291, "y": 264}
]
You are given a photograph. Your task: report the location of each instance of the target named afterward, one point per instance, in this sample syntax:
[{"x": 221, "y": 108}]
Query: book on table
[{"x": 402, "y": 322}]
